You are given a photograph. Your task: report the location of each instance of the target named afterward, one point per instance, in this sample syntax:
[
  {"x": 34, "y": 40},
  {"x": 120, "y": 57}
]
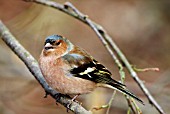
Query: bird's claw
[
  {"x": 69, "y": 104},
  {"x": 57, "y": 96},
  {"x": 46, "y": 95},
  {"x": 72, "y": 100}
]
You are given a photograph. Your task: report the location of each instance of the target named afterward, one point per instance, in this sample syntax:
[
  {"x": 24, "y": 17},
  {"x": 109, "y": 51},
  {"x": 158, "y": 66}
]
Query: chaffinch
[{"x": 72, "y": 71}]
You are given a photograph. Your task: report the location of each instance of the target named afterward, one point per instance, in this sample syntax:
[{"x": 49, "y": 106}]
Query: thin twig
[
  {"x": 130, "y": 104},
  {"x": 144, "y": 69},
  {"x": 110, "y": 102},
  {"x": 136, "y": 106},
  {"x": 33, "y": 67},
  {"x": 107, "y": 41},
  {"x": 131, "y": 107}
]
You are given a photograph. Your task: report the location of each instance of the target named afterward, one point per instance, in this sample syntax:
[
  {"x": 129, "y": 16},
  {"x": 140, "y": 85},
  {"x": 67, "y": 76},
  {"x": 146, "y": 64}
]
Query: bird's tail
[{"x": 125, "y": 91}]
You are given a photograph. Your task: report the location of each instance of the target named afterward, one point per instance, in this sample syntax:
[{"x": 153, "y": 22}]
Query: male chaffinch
[{"x": 72, "y": 71}]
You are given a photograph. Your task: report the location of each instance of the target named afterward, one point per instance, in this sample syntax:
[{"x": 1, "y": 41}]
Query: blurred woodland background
[{"x": 141, "y": 28}]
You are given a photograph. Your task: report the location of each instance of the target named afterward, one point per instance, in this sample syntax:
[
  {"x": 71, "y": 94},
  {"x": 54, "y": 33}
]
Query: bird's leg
[
  {"x": 75, "y": 97},
  {"x": 72, "y": 100}
]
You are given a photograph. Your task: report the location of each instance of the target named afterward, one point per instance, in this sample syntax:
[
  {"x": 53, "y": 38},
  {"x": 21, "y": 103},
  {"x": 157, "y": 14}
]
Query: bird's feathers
[
  {"x": 78, "y": 63},
  {"x": 125, "y": 91},
  {"x": 88, "y": 68}
]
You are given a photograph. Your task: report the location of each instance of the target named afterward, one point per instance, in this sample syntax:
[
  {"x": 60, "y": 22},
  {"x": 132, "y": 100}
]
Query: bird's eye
[
  {"x": 52, "y": 41},
  {"x": 58, "y": 43}
]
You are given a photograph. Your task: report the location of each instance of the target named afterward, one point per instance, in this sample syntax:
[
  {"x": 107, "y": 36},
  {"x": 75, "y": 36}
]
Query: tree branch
[
  {"x": 110, "y": 45},
  {"x": 33, "y": 67}
]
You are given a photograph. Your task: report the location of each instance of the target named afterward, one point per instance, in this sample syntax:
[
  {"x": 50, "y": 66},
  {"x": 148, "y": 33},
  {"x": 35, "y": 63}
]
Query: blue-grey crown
[{"x": 53, "y": 38}]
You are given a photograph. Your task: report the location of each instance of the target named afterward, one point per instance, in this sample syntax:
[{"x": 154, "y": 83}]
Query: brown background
[{"x": 139, "y": 27}]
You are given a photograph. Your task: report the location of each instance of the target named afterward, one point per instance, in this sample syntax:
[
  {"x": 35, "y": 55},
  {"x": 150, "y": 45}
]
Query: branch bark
[
  {"x": 110, "y": 45},
  {"x": 33, "y": 67}
]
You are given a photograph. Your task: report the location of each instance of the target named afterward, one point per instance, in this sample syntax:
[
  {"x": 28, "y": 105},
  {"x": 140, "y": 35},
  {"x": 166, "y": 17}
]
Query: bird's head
[{"x": 57, "y": 45}]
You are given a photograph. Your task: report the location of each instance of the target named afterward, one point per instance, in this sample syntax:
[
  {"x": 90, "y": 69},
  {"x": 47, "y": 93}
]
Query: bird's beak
[{"x": 48, "y": 46}]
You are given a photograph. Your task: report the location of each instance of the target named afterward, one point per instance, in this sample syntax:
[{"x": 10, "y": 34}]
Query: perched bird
[{"x": 71, "y": 70}]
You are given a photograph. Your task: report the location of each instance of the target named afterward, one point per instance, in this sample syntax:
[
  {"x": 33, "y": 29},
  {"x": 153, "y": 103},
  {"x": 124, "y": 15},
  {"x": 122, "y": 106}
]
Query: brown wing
[{"x": 84, "y": 66}]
